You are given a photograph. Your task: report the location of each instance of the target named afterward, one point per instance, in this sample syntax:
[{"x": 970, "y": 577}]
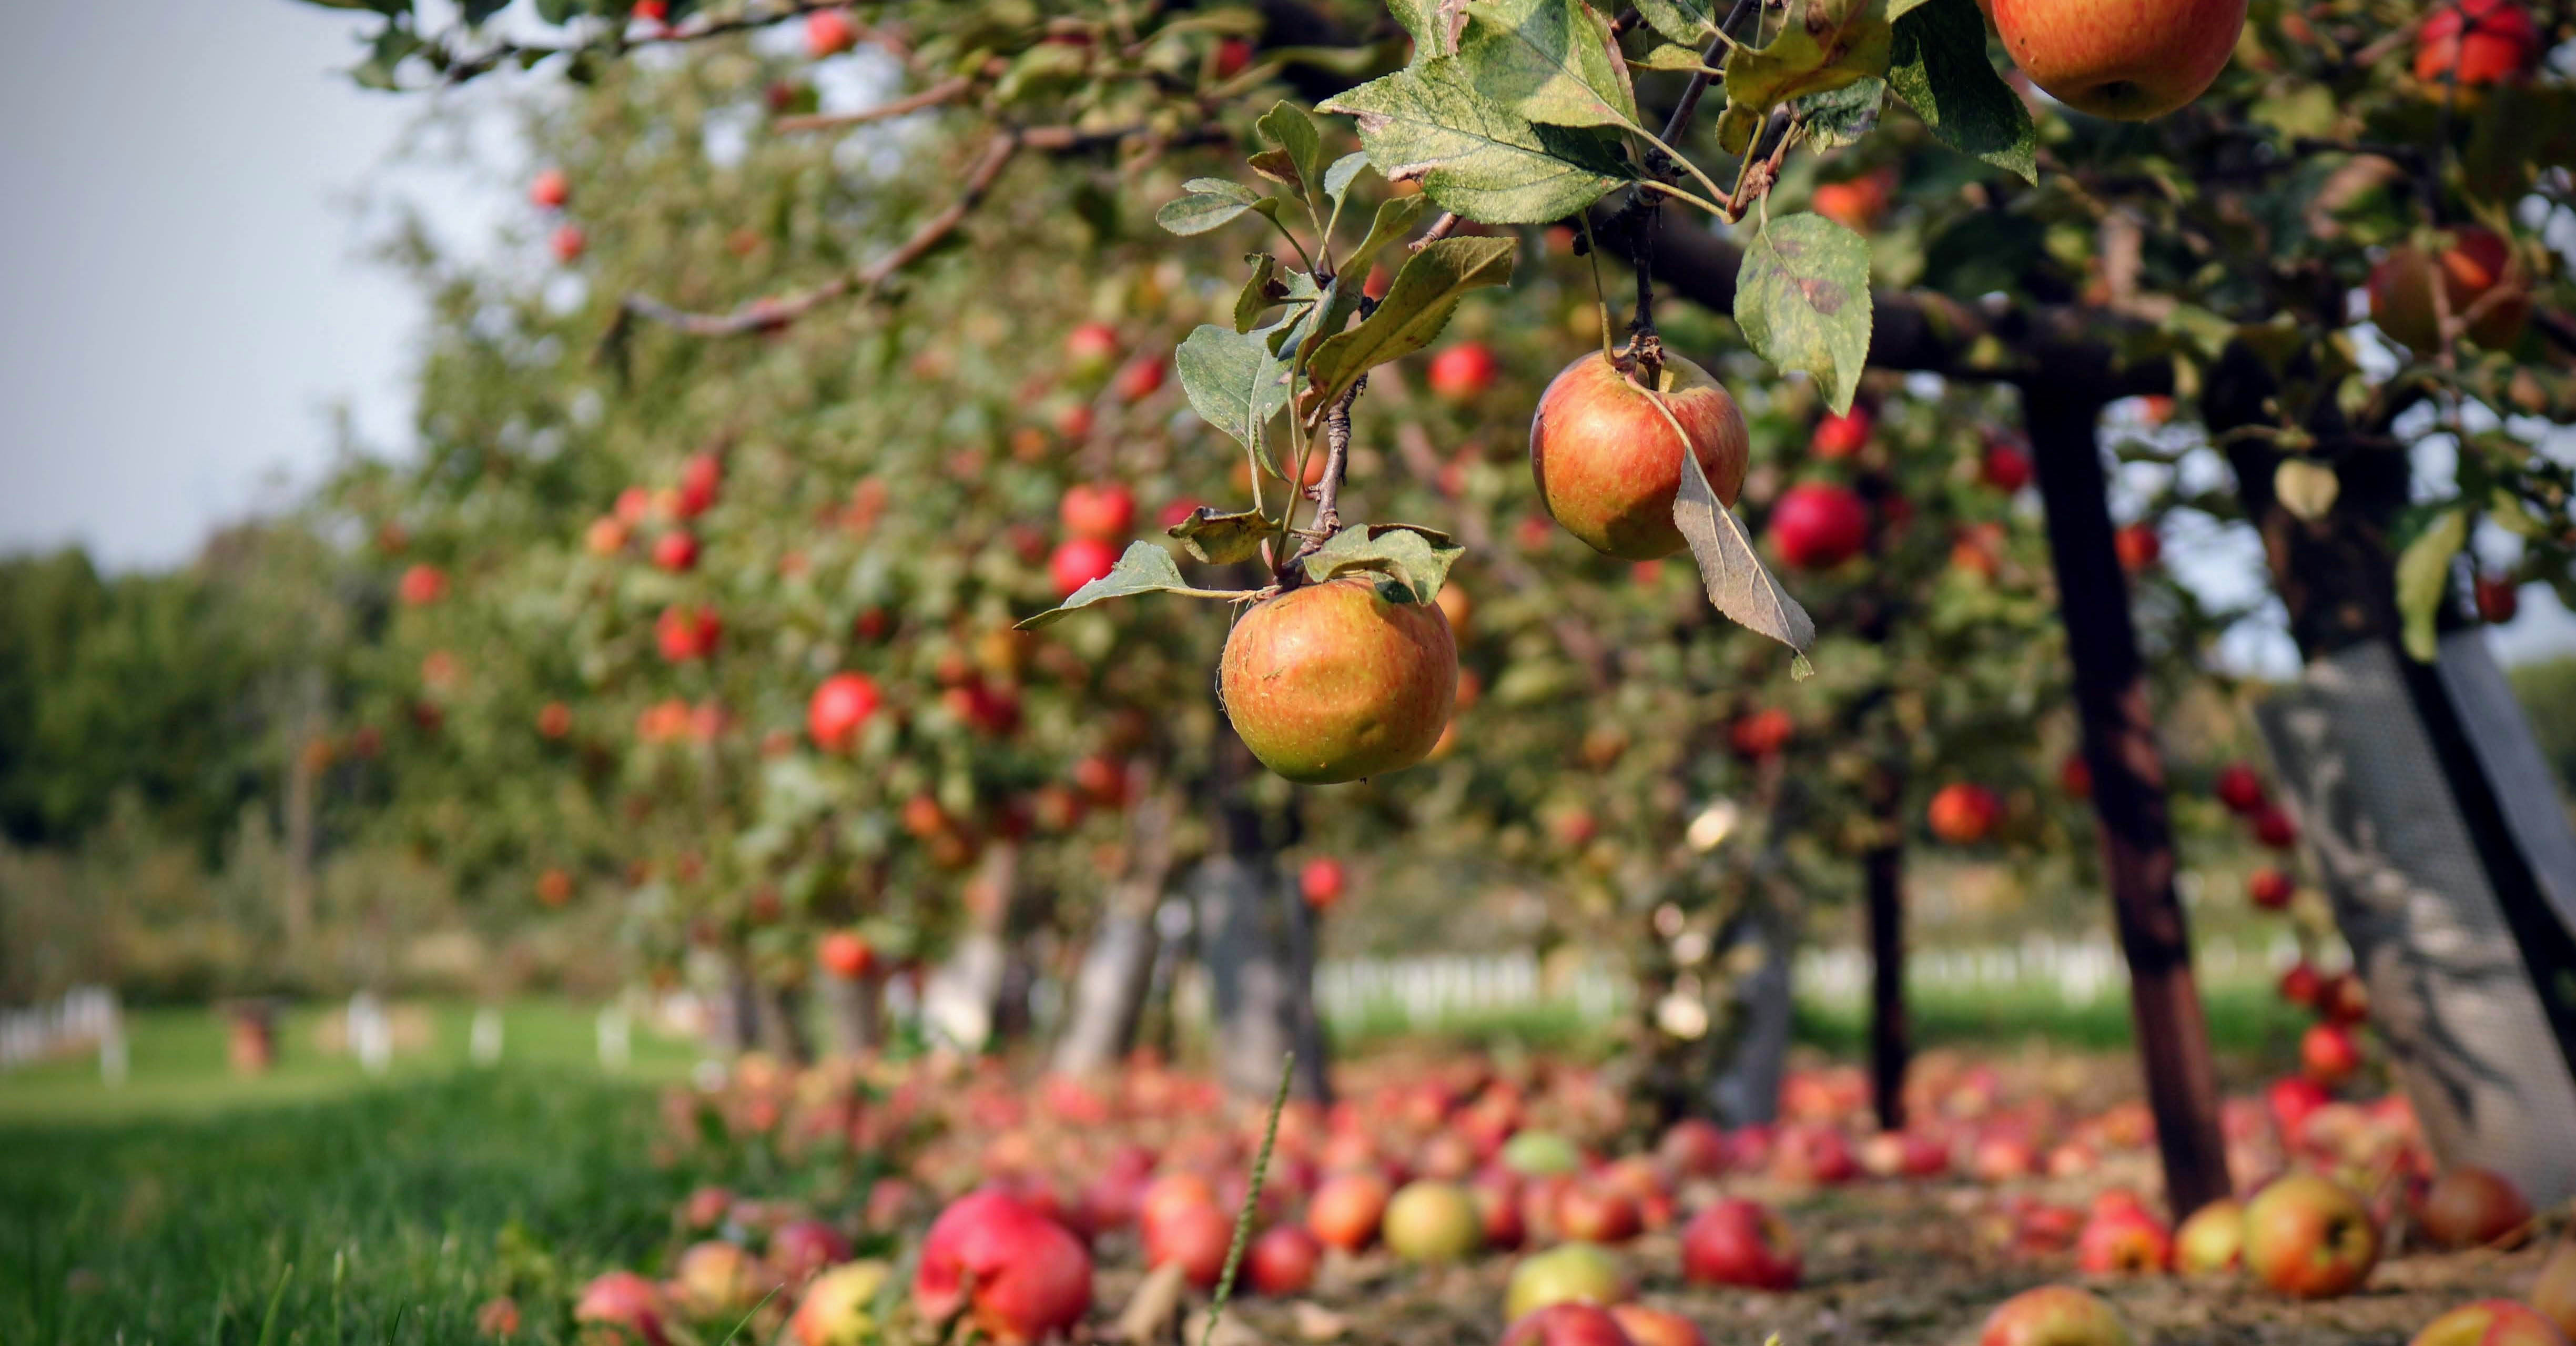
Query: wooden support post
[{"x": 2120, "y": 747}]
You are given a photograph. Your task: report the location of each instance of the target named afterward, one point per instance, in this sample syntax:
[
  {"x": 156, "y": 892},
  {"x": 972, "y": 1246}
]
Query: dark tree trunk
[
  {"x": 1890, "y": 1040},
  {"x": 1248, "y": 922},
  {"x": 779, "y": 1014},
  {"x": 1109, "y": 993},
  {"x": 2120, "y": 748},
  {"x": 855, "y": 1007}
]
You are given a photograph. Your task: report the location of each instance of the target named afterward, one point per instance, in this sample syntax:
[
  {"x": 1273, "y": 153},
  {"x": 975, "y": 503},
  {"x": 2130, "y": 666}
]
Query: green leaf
[
  {"x": 1428, "y": 21},
  {"x": 1688, "y": 22},
  {"x": 1223, "y": 539},
  {"x": 1227, "y": 188},
  {"x": 1735, "y": 578},
  {"x": 1823, "y": 45},
  {"x": 1667, "y": 56},
  {"x": 1200, "y": 211},
  {"x": 1426, "y": 291},
  {"x": 1937, "y": 64},
  {"x": 1256, "y": 297},
  {"x": 2512, "y": 515},
  {"x": 2306, "y": 487},
  {"x": 1235, "y": 384},
  {"x": 1287, "y": 126},
  {"x": 1552, "y": 61},
  {"x": 1482, "y": 160},
  {"x": 1325, "y": 319},
  {"x": 2424, "y": 579},
  {"x": 1417, "y": 558},
  {"x": 1395, "y": 217},
  {"x": 1802, "y": 299},
  {"x": 1337, "y": 179},
  {"x": 1147, "y": 568},
  {"x": 1839, "y": 117}
]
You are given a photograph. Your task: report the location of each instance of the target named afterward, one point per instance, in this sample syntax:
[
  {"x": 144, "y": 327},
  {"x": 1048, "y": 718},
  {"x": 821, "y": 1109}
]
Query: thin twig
[
  {"x": 829, "y": 121},
  {"x": 1440, "y": 229},
  {"x": 460, "y": 69}
]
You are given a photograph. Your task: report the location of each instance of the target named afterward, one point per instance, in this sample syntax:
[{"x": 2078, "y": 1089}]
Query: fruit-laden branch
[
  {"x": 455, "y": 69},
  {"x": 933, "y": 96}
]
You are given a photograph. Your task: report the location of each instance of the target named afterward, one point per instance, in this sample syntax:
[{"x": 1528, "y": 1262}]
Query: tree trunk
[
  {"x": 2120, "y": 748},
  {"x": 303, "y": 786},
  {"x": 1264, "y": 995},
  {"x": 855, "y": 1008},
  {"x": 734, "y": 1012},
  {"x": 781, "y": 1025},
  {"x": 1890, "y": 1038},
  {"x": 1746, "y": 1087},
  {"x": 1117, "y": 973},
  {"x": 963, "y": 1001}
]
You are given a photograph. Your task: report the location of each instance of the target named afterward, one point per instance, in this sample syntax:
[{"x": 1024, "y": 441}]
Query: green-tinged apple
[
  {"x": 2212, "y": 1240},
  {"x": 1608, "y": 463},
  {"x": 1340, "y": 680},
  {"x": 2491, "y": 1322},
  {"x": 2127, "y": 60},
  {"x": 2308, "y": 1237},
  {"x": 2054, "y": 1315},
  {"x": 1569, "y": 1273},
  {"x": 838, "y": 1308},
  {"x": 2553, "y": 1289}
]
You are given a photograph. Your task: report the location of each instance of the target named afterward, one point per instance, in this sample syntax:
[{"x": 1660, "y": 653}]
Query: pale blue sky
[{"x": 186, "y": 298}]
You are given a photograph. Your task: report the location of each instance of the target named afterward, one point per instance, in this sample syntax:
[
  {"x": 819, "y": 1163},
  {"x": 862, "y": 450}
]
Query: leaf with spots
[
  {"x": 1824, "y": 45},
  {"x": 1802, "y": 300},
  {"x": 1552, "y": 61},
  {"x": 1417, "y": 558},
  {"x": 1687, "y": 22},
  {"x": 1937, "y": 64},
  {"x": 1735, "y": 578},
  {"x": 1475, "y": 156},
  {"x": 1223, "y": 539},
  {"x": 1426, "y": 291}
]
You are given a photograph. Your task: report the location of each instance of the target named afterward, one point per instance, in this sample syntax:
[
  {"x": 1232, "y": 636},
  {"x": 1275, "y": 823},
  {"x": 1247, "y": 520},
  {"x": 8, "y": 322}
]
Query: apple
[
  {"x": 1232, "y": 55},
  {"x": 1738, "y": 1242},
  {"x": 2553, "y": 1290},
  {"x": 554, "y": 720},
  {"x": 1194, "y": 1234},
  {"x": 2138, "y": 547},
  {"x": 606, "y": 536},
  {"x": 1498, "y": 1203},
  {"x": 2053, "y": 1315},
  {"x": 803, "y": 1246},
  {"x": 1569, "y": 1273},
  {"x": 550, "y": 189},
  {"x": 626, "y": 1302},
  {"x": 2482, "y": 41},
  {"x": 2491, "y": 1322},
  {"x": 1566, "y": 1325},
  {"x": 2302, "y": 985},
  {"x": 2273, "y": 828},
  {"x": 1656, "y": 1327},
  {"x": 2475, "y": 263},
  {"x": 2328, "y": 1055},
  {"x": 1340, "y": 680},
  {"x": 838, "y": 1308},
  {"x": 1104, "y": 510},
  {"x": 2240, "y": 789},
  {"x": 1020, "y": 1276},
  {"x": 1534, "y": 1154},
  {"x": 2212, "y": 1240},
  {"x": 1608, "y": 463},
  {"x": 1762, "y": 733},
  {"x": 2269, "y": 889},
  {"x": 1078, "y": 561},
  {"x": 2006, "y": 467},
  {"x": 421, "y": 585},
  {"x": 1322, "y": 881},
  {"x": 2127, "y": 60},
  {"x": 2307, "y": 1237},
  {"x": 2498, "y": 599},
  {"x": 1818, "y": 525},
  {"x": 685, "y": 635},
  {"x": 1694, "y": 1147},
  {"x": 1460, "y": 373},
  {"x": 1589, "y": 1212},
  {"x": 2075, "y": 777},
  {"x": 836, "y": 711},
  {"x": 1429, "y": 1221},
  {"x": 554, "y": 887},
  {"x": 676, "y": 551},
  {"x": 829, "y": 32},
  {"x": 2470, "y": 1207},
  {"x": 1346, "y": 1210},
  {"x": 2126, "y": 1241},
  {"x": 2344, "y": 999},
  {"x": 1963, "y": 813},
  {"x": 1282, "y": 1262},
  {"x": 1842, "y": 436},
  {"x": 1091, "y": 346},
  {"x": 1855, "y": 203},
  {"x": 846, "y": 954},
  {"x": 716, "y": 1277},
  {"x": 2292, "y": 1100},
  {"x": 568, "y": 243}
]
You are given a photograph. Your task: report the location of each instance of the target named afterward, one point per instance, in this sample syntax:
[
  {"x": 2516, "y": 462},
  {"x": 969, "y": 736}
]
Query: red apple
[
  {"x": 1104, "y": 510},
  {"x": 1020, "y": 1276},
  {"x": 2302, "y": 985},
  {"x": 2328, "y": 1054},
  {"x": 2484, "y": 41},
  {"x": 2499, "y": 601},
  {"x": 716, "y": 1277},
  {"x": 1091, "y": 346},
  {"x": 1694, "y": 1147},
  {"x": 829, "y": 32},
  {"x": 1282, "y": 1261},
  {"x": 2469, "y": 1207},
  {"x": 1232, "y": 55},
  {"x": 1461, "y": 372},
  {"x": 2491, "y": 1322},
  {"x": 2307, "y": 1237},
  {"x": 2053, "y": 1315},
  {"x": 2006, "y": 467},
  {"x": 2075, "y": 777},
  {"x": 1762, "y": 733},
  {"x": 1345, "y": 1211},
  {"x": 837, "y": 710},
  {"x": 2269, "y": 889},
  {"x": 1322, "y": 880},
  {"x": 2138, "y": 547},
  {"x": 1589, "y": 1212},
  {"x": 2273, "y": 828},
  {"x": 1139, "y": 378},
  {"x": 1963, "y": 813},
  {"x": 2125, "y": 1241},
  {"x": 1194, "y": 1234},
  {"x": 2473, "y": 265},
  {"x": 676, "y": 550},
  {"x": 2212, "y": 1240},
  {"x": 550, "y": 189},
  {"x": 625, "y": 1301},
  {"x": 2240, "y": 789},
  {"x": 2344, "y": 999},
  {"x": 2291, "y": 1101},
  {"x": 1566, "y": 1325},
  {"x": 685, "y": 635},
  {"x": 1340, "y": 680},
  {"x": 2128, "y": 60},
  {"x": 568, "y": 243},
  {"x": 1608, "y": 463},
  {"x": 1855, "y": 203},
  {"x": 1655, "y": 1327},
  {"x": 421, "y": 586},
  {"x": 846, "y": 954},
  {"x": 1078, "y": 561},
  {"x": 1737, "y": 1242},
  {"x": 1818, "y": 525},
  {"x": 1842, "y": 436}
]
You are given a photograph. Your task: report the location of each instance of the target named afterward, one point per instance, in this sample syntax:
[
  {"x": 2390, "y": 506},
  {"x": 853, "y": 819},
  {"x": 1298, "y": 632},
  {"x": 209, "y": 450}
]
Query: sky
[{"x": 188, "y": 301}]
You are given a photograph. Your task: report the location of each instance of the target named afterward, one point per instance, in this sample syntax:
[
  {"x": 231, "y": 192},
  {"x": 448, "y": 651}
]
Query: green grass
[
  {"x": 387, "y": 1214},
  {"x": 2244, "y": 1021},
  {"x": 178, "y": 1068}
]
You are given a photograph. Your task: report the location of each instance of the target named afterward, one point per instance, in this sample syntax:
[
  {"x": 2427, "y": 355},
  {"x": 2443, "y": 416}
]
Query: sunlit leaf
[
  {"x": 2424, "y": 579},
  {"x": 1475, "y": 156},
  {"x": 1822, "y": 45},
  {"x": 1735, "y": 578},
  {"x": 1802, "y": 300},
  {"x": 1235, "y": 384},
  {"x": 1223, "y": 539},
  {"x": 2306, "y": 487},
  {"x": 1552, "y": 61},
  {"x": 1426, "y": 291},
  {"x": 1146, "y": 569},
  {"x": 1937, "y": 63},
  {"x": 1417, "y": 558}
]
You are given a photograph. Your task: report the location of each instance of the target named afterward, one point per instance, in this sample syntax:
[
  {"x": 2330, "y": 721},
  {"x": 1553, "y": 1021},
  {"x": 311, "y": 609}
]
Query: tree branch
[
  {"x": 831, "y": 121},
  {"x": 458, "y": 69}
]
